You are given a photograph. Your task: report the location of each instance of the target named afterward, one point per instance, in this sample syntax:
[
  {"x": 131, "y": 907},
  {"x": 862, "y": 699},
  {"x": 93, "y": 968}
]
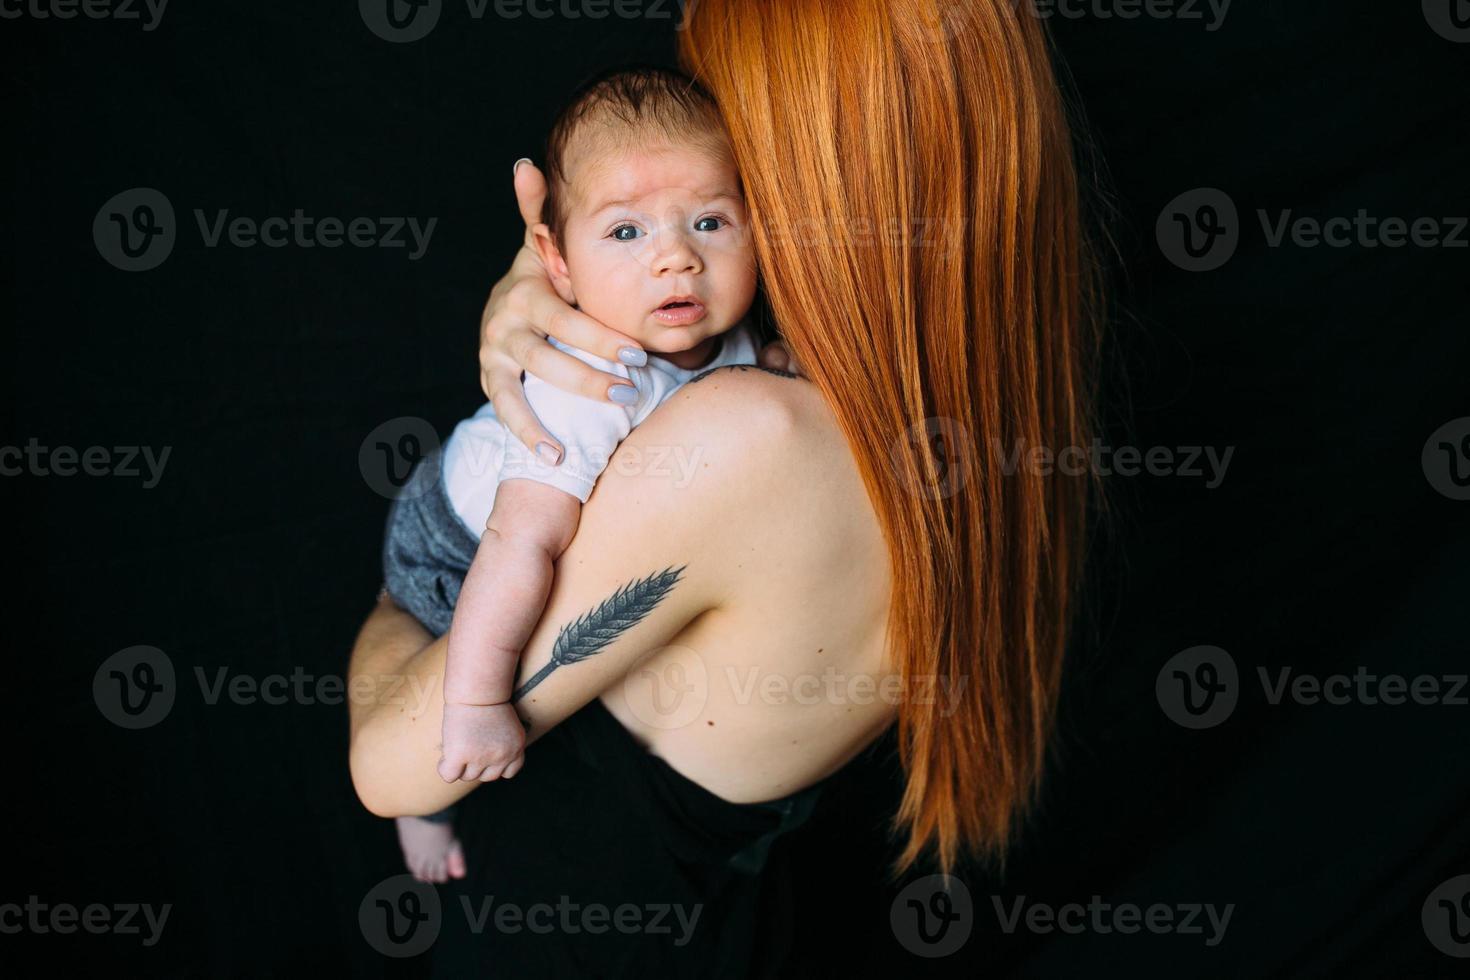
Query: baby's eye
[
  {"x": 626, "y": 233},
  {"x": 710, "y": 223}
]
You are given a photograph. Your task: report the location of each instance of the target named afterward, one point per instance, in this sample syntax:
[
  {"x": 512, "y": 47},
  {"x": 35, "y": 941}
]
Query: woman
[{"x": 910, "y": 181}]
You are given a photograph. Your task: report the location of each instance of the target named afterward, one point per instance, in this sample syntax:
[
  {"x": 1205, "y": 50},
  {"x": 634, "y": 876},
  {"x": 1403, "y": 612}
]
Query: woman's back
[
  {"x": 637, "y": 841},
  {"x": 785, "y": 680}
]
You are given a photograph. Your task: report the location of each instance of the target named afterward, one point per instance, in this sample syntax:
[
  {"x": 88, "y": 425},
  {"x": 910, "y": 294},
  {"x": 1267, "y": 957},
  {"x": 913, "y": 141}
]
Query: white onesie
[{"x": 481, "y": 451}]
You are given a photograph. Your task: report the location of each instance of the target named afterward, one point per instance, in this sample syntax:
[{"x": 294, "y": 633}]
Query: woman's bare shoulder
[
  {"x": 769, "y": 402},
  {"x": 768, "y": 431}
]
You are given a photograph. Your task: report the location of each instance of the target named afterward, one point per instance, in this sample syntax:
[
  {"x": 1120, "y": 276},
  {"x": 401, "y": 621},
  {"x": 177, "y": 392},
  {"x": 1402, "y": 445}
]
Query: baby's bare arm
[{"x": 505, "y": 590}]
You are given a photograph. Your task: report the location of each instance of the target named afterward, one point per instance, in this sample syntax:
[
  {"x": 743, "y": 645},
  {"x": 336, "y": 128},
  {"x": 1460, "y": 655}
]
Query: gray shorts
[{"x": 427, "y": 549}]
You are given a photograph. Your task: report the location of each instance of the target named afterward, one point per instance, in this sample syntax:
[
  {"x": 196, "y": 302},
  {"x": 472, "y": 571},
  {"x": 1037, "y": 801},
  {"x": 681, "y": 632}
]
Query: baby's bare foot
[{"x": 430, "y": 849}]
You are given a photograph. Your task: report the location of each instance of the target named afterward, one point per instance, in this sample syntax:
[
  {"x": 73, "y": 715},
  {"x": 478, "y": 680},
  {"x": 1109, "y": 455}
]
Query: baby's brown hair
[{"x": 623, "y": 103}]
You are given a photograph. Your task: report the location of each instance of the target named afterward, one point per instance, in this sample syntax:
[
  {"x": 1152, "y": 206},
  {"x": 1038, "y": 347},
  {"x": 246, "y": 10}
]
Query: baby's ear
[{"x": 551, "y": 258}]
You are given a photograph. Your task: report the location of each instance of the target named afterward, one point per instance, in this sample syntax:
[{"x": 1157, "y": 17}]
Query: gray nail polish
[
  {"x": 633, "y": 356},
  {"x": 623, "y": 394},
  {"x": 517, "y": 165}
]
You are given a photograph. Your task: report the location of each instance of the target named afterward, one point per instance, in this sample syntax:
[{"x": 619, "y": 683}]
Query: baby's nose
[{"x": 676, "y": 256}]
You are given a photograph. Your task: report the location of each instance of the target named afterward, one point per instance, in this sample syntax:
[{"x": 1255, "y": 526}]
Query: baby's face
[{"x": 656, "y": 244}]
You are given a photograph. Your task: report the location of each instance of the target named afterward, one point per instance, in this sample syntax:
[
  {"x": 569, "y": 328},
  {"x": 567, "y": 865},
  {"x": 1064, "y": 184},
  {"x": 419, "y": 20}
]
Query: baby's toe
[{"x": 455, "y": 863}]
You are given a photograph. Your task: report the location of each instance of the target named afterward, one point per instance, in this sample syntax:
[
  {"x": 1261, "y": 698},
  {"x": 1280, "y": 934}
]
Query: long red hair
[{"x": 915, "y": 209}]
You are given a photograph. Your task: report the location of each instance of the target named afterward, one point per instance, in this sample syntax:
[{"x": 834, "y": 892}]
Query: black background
[{"x": 1324, "y": 549}]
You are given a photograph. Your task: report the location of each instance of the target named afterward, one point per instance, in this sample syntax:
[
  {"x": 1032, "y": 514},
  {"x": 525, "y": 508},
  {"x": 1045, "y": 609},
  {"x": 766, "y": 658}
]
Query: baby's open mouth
[{"x": 680, "y": 311}]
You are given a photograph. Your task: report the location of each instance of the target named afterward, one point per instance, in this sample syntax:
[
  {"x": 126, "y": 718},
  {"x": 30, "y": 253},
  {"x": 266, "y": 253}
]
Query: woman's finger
[
  {"x": 530, "y": 186},
  {"x": 564, "y": 371},
  {"x": 547, "y": 312},
  {"x": 514, "y": 766},
  {"x": 508, "y": 399}
]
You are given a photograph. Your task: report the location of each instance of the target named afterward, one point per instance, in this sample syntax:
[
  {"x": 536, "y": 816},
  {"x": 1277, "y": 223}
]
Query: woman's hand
[{"x": 522, "y": 310}]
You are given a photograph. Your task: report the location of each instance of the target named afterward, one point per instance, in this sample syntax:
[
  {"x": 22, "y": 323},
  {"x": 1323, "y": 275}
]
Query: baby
[{"x": 645, "y": 231}]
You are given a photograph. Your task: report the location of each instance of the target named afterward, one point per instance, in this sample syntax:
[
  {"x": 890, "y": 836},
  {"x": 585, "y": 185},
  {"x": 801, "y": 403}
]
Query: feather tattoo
[{"x": 592, "y": 632}]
